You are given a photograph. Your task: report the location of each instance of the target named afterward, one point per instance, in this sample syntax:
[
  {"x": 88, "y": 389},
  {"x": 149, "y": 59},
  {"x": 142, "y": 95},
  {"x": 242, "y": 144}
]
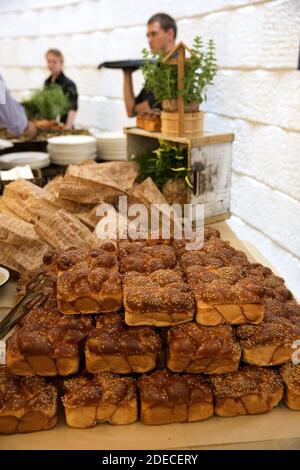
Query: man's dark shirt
[
  {"x": 145, "y": 95},
  {"x": 69, "y": 89}
]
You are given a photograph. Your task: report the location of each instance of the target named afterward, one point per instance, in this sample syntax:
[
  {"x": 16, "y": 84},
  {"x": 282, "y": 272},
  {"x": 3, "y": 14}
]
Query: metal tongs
[{"x": 33, "y": 298}]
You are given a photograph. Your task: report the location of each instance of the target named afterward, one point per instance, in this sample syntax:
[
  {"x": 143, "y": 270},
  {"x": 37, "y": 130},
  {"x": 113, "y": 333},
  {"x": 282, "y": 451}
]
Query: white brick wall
[{"x": 256, "y": 93}]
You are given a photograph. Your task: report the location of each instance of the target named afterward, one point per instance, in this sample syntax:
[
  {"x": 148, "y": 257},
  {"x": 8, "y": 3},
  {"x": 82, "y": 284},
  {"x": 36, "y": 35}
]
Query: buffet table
[{"x": 279, "y": 429}]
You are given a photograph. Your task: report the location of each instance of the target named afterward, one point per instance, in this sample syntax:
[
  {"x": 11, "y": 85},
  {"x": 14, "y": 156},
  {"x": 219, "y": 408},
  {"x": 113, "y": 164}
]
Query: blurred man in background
[{"x": 161, "y": 34}]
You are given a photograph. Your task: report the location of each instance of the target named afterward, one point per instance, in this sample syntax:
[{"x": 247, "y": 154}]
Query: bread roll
[
  {"x": 27, "y": 404},
  {"x": 172, "y": 398},
  {"x": 89, "y": 281},
  {"x": 251, "y": 390},
  {"x": 196, "y": 348},
  {"x": 270, "y": 343},
  {"x": 104, "y": 397},
  {"x": 115, "y": 347},
  {"x": 161, "y": 298},
  {"x": 142, "y": 257},
  {"x": 290, "y": 374},
  {"x": 47, "y": 343},
  {"x": 225, "y": 295}
]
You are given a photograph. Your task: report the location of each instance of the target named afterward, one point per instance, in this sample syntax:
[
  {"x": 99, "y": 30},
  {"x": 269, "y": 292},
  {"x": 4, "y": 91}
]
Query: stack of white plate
[
  {"x": 33, "y": 159},
  {"x": 111, "y": 145},
  {"x": 64, "y": 150}
]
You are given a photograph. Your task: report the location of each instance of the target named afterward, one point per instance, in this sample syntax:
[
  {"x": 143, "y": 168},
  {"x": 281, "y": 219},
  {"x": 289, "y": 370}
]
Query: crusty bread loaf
[
  {"x": 269, "y": 343},
  {"x": 215, "y": 253},
  {"x": 225, "y": 295},
  {"x": 47, "y": 343},
  {"x": 290, "y": 374},
  {"x": 161, "y": 298},
  {"x": 142, "y": 257},
  {"x": 209, "y": 233},
  {"x": 196, "y": 348},
  {"x": 172, "y": 398},
  {"x": 115, "y": 347},
  {"x": 27, "y": 404},
  {"x": 89, "y": 281},
  {"x": 224, "y": 287},
  {"x": 251, "y": 390},
  {"x": 278, "y": 308},
  {"x": 104, "y": 397}
]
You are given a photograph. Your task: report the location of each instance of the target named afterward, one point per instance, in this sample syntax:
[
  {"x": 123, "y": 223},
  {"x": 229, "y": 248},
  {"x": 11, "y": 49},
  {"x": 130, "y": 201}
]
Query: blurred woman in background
[{"x": 55, "y": 62}]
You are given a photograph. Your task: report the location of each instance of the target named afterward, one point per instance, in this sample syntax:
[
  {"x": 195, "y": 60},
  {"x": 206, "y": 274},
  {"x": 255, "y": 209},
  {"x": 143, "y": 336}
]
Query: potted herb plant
[
  {"x": 161, "y": 78},
  {"x": 168, "y": 168},
  {"x": 46, "y": 106}
]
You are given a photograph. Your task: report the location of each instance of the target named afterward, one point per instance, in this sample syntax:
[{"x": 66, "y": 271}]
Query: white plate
[
  {"x": 71, "y": 159},
  {"x": 111, "y": 149},
  {"x": 117, "y": 149},
  {"x": 70, "y": 154},
  {"x": 4, "y": 276},
  {"x": 78, "y": 151},
  {"x": 114, "y": 135},
  {"x": 33, "y": 159},
  {"x": 72, "y": 140},
  {"x": 68, "y": 162}
]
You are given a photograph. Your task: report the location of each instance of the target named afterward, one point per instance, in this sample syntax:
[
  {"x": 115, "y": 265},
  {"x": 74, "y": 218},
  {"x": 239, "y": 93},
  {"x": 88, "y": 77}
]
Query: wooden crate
[{"x": 210, "y": 160}]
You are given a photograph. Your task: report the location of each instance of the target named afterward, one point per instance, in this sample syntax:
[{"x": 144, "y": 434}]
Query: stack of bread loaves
[{"x": 151, "y": 330}]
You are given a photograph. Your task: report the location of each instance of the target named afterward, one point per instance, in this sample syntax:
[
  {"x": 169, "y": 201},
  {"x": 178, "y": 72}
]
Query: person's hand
[{"x": 30, "y": 130}]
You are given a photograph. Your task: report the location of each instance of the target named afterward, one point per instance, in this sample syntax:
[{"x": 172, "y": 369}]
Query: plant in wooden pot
[
  {"x": 179, "y": 83},
  {"x": 45, "y": 107},
  {"x": 168, "y": 168}
]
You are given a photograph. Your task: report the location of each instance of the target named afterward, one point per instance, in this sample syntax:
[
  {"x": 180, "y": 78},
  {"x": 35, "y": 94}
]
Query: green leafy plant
[
  {"x": 167, "y": 162},
  {"x": 162, "y": 79},
  {"x": 47, "y": 103}
]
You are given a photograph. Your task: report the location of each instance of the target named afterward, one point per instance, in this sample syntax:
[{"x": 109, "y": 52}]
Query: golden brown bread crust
[
  {"x": 88, "y": 281},
  {"x": 104, "y": 397},
  {"x": 47, "y": 343},
  {"x": 27, "y": 404},
  {"x": 275, "y": 287},
  {"x": 215, "y": 253},
  {"x": 145, "y": 258},
  {"x": 49, "y": 317},
  {"x": 226, "y": 295},
  {"x": 161, "y": 298},
  {"x": 227, "y": 285},
  {"x": 269, "y": 343},
  {"x": 290, "y": 375},
  {"x": 251, "y": 390},
  {"x": 115, "y": 347},
  {"x": 171, "y": 398},
  {"x": 275, "y": 308},
  {"x": 196, "y": 348},
  {"x": 209, "y": 233}
]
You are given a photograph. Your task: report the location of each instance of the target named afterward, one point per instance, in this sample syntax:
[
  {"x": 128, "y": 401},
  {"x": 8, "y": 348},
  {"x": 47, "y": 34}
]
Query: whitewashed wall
[{"x": 256, "y": 93}]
